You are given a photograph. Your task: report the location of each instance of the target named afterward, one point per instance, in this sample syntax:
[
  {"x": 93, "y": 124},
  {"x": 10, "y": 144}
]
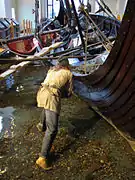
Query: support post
[
  {"x": 36, "y": 16},
  {"x": 11, "y": 30},
  {"x": 31, "y": 26},
  {"x": 27, "y": 28},
  {"x": 78, "y": 24},
  {"x": 23, "y": 26},
  {"x": 68, "y": 11}
]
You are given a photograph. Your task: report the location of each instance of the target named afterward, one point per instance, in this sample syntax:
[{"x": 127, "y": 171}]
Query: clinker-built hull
[{"x": 111, "y": 89}]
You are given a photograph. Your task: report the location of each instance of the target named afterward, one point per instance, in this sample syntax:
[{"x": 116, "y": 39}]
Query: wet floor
[
  {"x": 86, "y": 147},
  {"x": 18, "y": 96}
]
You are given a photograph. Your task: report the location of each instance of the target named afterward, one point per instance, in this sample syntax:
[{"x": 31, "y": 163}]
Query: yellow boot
[
  {"x": 52, "y": 150},
  {"x": 42, "y": 162}
]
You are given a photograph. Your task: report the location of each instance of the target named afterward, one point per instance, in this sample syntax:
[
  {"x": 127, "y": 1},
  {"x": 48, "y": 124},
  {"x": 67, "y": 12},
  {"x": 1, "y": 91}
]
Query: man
[{"x": 57, "y": 84}]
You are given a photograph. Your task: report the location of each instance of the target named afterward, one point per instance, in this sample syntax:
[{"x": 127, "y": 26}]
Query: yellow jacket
[{"x": 49, "y": 95}]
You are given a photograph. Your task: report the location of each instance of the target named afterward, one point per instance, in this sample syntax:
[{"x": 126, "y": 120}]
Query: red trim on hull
[
  {"x": 24, "y": 46},
  {"x": 46, "y": 39}
]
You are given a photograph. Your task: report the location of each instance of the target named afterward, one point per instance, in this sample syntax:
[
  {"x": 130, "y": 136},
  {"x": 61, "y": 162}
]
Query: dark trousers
[
  {"x": 51, "y": 122},
  {"x": 42, "y": 122}
]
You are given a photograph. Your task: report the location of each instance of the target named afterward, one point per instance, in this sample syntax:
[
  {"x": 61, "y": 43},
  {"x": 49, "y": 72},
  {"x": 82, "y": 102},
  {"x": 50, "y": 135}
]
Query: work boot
[
  {"x": 52, "y": 150},
  {"x": 42, "y": 162}
]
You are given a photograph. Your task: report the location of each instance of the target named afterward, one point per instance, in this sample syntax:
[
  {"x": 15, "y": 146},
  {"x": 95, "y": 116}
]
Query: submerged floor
[{"x": 86, "y": 146}]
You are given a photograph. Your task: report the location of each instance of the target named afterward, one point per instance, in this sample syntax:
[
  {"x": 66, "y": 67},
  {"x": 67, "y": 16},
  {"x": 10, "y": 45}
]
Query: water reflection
[
  {"x": 9, "y": 81},
  {"x": 1, "y": 123},
  {"x": 22, "y": 88},
  {"x": 6, "y": 122}
]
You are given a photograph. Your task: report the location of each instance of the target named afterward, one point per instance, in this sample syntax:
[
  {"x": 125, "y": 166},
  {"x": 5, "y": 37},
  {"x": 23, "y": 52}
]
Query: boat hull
[
  {"x": 22, "y": 45},
  {"x": 110, "y": 90}
]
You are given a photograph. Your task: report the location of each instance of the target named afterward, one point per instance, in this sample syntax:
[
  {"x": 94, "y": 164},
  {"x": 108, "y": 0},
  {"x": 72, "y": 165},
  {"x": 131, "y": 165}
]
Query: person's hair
[{"x": 63, "y": 63}]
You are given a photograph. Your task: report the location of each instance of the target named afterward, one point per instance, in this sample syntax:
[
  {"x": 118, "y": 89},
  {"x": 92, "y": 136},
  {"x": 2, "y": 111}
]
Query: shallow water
[{"x": 18, "y": 96}]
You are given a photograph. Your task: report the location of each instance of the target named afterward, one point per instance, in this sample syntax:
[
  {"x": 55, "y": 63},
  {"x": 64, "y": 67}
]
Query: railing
[
  {"x": 27, "y": 27},
  {"x": 13, "y": 31}
]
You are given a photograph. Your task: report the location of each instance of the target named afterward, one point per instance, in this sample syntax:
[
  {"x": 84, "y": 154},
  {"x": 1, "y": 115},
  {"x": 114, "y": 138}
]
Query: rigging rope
[{"x": 99, "y": 34}]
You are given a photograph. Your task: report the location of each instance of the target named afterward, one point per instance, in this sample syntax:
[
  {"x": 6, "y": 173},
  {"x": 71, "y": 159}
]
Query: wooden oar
[
  {"x": 13, "y": 68},
  {"x": 42, "y": 58}
]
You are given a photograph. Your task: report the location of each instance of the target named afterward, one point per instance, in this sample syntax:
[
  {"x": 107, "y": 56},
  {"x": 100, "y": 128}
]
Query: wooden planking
[
  {"x": 96, "y": 77},
  {"x": 111, "y": 89}
]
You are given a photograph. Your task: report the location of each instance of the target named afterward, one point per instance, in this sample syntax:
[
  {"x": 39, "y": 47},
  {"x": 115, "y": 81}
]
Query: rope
[
  {"x": 101, "y": 35},
  {"x": 94, "y": 24},
  {"x": 106, "y": 8}
]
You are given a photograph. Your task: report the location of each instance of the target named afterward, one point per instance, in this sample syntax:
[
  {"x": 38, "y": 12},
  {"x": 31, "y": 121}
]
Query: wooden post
[
  {"x": 24, "y": 27},
  {"x": 31, "y": 26},
  {"x": 11, "y": 30},
  {"x": 78, "y": 24},
  {"x": 27, "y": 27}
]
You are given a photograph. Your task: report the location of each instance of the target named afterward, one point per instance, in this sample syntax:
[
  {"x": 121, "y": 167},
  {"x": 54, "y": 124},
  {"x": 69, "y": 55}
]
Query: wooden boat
[
  {"x": 22, "y": 46},
  {"x": 25, "y": 46},
  {"x": 4, "y": 53},
  {"x": 110, "y": 90},
  {"x": 49, "y": 32},
  {"x": 47, "y": 37}
]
